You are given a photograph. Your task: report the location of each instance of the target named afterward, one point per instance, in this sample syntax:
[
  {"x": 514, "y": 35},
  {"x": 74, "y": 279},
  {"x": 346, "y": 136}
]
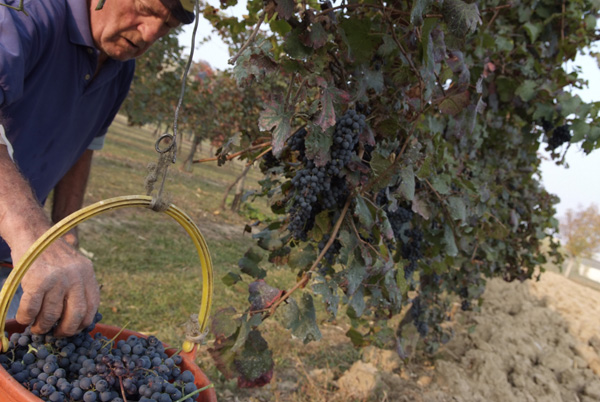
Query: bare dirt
[{"x": 532, "y": 341}]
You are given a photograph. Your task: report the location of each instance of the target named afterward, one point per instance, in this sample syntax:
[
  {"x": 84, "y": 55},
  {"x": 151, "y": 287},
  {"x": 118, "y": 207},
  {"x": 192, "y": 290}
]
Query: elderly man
[{"x": 65, "y": 69}]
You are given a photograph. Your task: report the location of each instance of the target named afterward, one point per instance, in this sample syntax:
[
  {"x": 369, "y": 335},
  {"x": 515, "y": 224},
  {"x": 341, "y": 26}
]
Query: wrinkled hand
[{"x": 60, "y": 286}]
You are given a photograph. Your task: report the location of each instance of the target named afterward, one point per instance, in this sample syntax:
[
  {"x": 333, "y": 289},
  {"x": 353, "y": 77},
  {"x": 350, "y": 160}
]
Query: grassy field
[{"x": 149, "y": 269}]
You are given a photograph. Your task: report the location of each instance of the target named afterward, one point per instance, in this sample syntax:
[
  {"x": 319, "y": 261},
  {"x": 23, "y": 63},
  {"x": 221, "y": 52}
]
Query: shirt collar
[{"x": 79, "y": 23}]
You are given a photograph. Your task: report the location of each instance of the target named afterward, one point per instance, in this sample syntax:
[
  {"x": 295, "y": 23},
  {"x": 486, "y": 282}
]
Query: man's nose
[{"x": 152, "y": 29}]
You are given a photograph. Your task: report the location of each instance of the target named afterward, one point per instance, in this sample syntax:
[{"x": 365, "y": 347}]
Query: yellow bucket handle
[{"x": 10, "y": 286}]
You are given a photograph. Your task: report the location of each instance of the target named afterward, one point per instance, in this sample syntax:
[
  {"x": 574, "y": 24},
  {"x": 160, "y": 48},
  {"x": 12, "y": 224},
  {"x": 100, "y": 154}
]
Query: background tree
[
  {"x": 156, "y": 84},
  {"x": 581, "y": 233}
]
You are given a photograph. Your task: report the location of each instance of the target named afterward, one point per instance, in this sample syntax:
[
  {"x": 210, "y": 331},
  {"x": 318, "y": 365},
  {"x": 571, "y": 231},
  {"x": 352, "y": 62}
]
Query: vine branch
[
  {"x": 306, "y": 276},
  {"x": 249, "y": 41},
  {"x": 234, "y": 155}
]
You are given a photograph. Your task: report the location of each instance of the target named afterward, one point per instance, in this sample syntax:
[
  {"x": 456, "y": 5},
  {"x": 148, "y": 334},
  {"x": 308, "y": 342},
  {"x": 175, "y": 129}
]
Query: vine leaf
[
  {"x": 329, "y": 97},
  {"x": 254, "y": 64},
  {"x": 315, "y": 36},
  {"x": 407, "y": 185},
  {"x": 249, "y": 264},
  {"x": 285, "y": 8},
  {"x": 357, "y": 36},
  {"x": 301, "y": 319},
  {"x": 328, "y": 290},
  {"x": 365, "y": 213},
  {"x": 229, "y": 329},
  {"x": 267, "y": 240},
  {"x": 455, "y": 104},
  {"x": 275, "y": 117},
  {"x": 231, "y": 279},
  {"x": 451, "y": 248},
  {"x": 301, "y": 258},
  {"x": 462, "y": 18},
  {"x": 418, "y": 9},
  {"x": 317, "y": 144},
  {"x": 262, "y": 296},
  {"x": 527, "y": 90},
  {"x": 255, "y": 362}
]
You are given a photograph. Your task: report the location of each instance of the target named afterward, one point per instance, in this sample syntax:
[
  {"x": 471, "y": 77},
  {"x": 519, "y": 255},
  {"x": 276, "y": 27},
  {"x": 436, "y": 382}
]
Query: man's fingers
[
  {"x": 50, "y": 312},
  {"x": 29, "y": 307},
  {"x": 93, "y": 302},
  {"x": 74, "y": 312}
]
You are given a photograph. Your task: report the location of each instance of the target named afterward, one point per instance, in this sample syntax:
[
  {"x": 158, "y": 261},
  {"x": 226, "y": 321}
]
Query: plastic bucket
[{"x": 10, "y": 389}]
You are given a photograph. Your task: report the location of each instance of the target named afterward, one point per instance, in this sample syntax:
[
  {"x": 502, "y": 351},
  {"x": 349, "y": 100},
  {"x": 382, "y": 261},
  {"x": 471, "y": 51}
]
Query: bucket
[{"x": 10, "y": 389}]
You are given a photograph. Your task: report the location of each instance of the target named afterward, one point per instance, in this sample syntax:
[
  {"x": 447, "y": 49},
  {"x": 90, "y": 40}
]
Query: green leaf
[
  {"x": 294, "y": 47},
  {"x": 357, "y": 339},
  {"x": 301, "y": 319},
  {"x": 527, "y": 90},
  {"x": 249, "y": 264},
  {"x": 317, "y": 143},
  {"x": 316, "y": 36},
  {"x": 354, "y": 274},
  {"x": 451, "y": 248},
  {"x": 456, "y": 103},
  {"x": 357, "y": 302},
  {"x": 533, "y": 30},
  {"x": 281, "y": 27},
  {"x": 590, "y": 22},
  {"x": 462, "y": 18},
  {"x": 407, "y": 186},
  {"x": 441, "y": 184},
  {"x": 268, "y": 239},
  {"x": 231, "y": 279},
  {"x": 302, "y": 258},
  {"x": 401, "y": 281},
  {"x": 365, "y": 212},
  {"x": 373, "y": 79},
  {"x": 457, "y": 207},
  {"x": 275, "y": 117},
  {"x": 357, "y": 34},
  {"x": 328, "y": 291},
  {"x": 418, "y": 9}
]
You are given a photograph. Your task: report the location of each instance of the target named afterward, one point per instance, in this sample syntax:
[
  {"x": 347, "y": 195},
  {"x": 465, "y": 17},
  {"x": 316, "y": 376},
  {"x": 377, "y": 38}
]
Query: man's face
[{"x": 125, "y": 29}]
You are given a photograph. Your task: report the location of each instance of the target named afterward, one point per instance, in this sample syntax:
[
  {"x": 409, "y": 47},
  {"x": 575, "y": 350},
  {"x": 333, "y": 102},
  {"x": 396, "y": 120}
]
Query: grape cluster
[
  {"x": 559, "y": 136},
  {"x": 411, "y": 239},
  {"x": 419, "y": 316},
  {"x": 96, "y": 369},
  {"x": 322, "y": 187}
]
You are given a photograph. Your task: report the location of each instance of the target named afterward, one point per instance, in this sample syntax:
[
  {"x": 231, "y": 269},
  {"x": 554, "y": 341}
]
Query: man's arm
[
  {"x": 70, "y": 191},
  {"x": 61, "y": 282}
]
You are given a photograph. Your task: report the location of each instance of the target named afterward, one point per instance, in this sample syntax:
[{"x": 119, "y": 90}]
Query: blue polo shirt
[{"x": 52, "y": 104}]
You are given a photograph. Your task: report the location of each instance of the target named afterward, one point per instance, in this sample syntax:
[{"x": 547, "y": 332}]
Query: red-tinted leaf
[
  {"x": 285, "y": 8},
  {"x": 262, "y": 296},
  {"x": 255, "y": 362}
]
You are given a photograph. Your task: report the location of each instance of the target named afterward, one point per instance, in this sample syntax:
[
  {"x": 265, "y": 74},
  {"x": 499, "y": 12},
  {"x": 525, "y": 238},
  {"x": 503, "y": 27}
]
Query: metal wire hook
[{"x": 159, "y": 140}]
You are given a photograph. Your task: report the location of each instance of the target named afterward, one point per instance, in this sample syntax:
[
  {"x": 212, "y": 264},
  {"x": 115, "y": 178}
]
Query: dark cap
[{"x": 183, "y": 10}]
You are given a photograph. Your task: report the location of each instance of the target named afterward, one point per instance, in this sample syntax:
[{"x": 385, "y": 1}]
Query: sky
[{"x": 577, "y": 185}]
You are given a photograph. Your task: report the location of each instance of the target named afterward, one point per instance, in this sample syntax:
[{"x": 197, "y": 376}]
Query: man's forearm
[
  {"x": 22, "y": 219},
  {"x": 70, "y": 191}
]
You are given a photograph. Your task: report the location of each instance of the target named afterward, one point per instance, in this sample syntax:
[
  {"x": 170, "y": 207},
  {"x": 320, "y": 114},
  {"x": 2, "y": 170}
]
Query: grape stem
[
  {"x": 306, "y": 276},
  {"x": 20, "y": 8},
  {"x": 196, "y": 392},
  {"x": 122, "y": 389}
]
